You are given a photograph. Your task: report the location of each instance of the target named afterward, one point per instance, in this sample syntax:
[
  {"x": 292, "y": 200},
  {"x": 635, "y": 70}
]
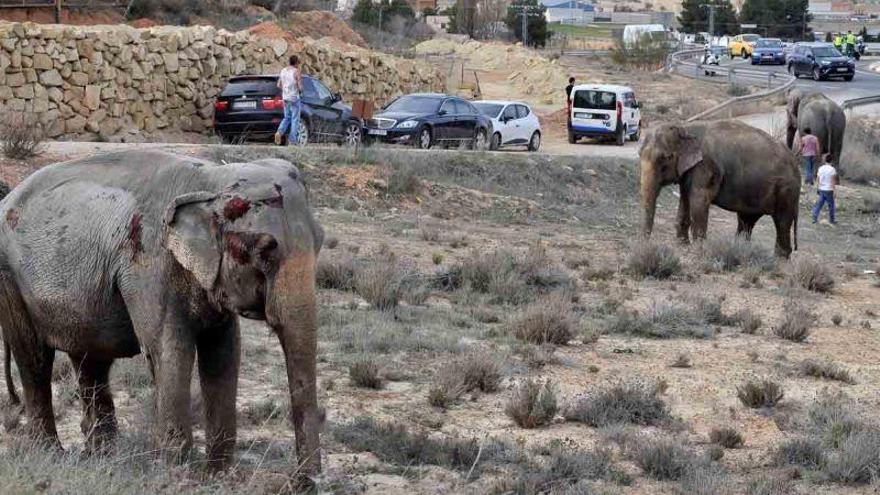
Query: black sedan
[
  {"x": 250, "y": 107},
  {"x": 428, "y": 119}
]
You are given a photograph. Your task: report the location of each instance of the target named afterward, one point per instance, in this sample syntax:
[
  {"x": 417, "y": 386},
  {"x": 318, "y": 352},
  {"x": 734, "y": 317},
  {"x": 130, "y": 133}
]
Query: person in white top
[
  {"x": 827, "y": 179},
  {"x": 290, "y": 82}
]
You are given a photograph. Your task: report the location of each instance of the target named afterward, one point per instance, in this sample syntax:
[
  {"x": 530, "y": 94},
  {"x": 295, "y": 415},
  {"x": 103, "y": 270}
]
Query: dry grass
[
  {"x": 551, "y": 320},
  {"x": 796, "y": 324},
  {"x": 728, "y": 254},
  {"x": 660, "y": 321},
  {"x": 653, "y": 260},
  {"x": 364, "y": 373},
  {"x": 662, "y": 458},
  {"x": 626, "y": 401},
  {"x": 726, "y": 437},
  {"x": 759, "y": 393},
  {"x": 532, "y": 404},
  {"x": 474, "y": 371},
  {"x": 824, "y": 369},
  {"x": 803, "y": 451},
  {"x": 20, "y": 134},
  {"x": 857, "y": 460},
  {"x": 749, "y": 322},
  {"x": 811, "y": 274},
  {"x": 861, "y": 154}
]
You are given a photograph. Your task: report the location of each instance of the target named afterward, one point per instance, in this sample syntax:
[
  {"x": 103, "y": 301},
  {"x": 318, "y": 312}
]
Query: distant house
[
  {"x": 437, "y": 23},
  {"x": 570, "y": 12}
]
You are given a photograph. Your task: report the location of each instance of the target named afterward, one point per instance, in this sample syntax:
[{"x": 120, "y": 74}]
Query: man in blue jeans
[
  {"x": 290, "y": 82},
  {"x": 827, "y": 180}
]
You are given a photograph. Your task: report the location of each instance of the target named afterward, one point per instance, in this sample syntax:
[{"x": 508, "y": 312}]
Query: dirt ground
[{"x": 581, "y": 212}]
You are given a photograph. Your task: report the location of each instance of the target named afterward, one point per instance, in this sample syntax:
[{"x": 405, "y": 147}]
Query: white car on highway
[{"x": 513, "y": 124}]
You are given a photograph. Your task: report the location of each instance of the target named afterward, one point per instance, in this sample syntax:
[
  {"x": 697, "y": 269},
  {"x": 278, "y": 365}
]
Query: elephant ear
[
  {"x": 689, "y": 153},
  {"x": 192, "y": 236}
]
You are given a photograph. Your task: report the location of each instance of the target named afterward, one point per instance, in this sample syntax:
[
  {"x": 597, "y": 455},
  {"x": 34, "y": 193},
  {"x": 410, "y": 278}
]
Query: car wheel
[
  {"x": 478, "y": 143},
  {"x": 847, "y": 78},
  {"x": 425, "y": 140},
  {"x": 302, "y": 133},
  {"x": 791, "y": 71},
  {"x": 752, "y": 61},
  {"x": 744, "y": 54},
  {"x": 495, "y": 144},
  {"x": 620, "y": 138},
  {"x": 571, "y": 137},
  {"x": 634, "y": 137},
  {"x": 535, "y": 141},
  {"x": 228, "y": 139},
  {"x": 817, "y": 76},
  {"x": 351, "y": 137}
]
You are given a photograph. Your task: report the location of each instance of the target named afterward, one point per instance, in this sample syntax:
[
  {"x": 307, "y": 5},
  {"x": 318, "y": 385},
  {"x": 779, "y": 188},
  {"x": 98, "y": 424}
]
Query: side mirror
[
  {"x": 441, "y": 112},
  {"x": 335, "y": 97}
]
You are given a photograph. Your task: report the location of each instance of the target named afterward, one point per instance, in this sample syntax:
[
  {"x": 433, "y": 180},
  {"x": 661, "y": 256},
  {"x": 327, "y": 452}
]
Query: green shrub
[
  {"x": 364, "y": 373},
  {"x": 759, "y": 393},
  {"x": 662, "y": 458}
]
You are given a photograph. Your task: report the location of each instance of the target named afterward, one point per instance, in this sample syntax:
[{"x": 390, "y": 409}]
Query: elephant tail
[
  {"x": 794, "y": 224},
  {"x": 7, "y": 369}
]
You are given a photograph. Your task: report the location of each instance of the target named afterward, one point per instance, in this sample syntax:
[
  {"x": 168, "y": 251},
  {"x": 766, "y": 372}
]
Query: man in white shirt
[
  {"x": 827, "y": 179},
  {"x": 290, "y": 83}
]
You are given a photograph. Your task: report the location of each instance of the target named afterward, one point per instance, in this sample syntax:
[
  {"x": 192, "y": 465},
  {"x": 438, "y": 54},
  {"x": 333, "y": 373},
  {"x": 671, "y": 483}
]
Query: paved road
[{"x": 865, "y": 83}]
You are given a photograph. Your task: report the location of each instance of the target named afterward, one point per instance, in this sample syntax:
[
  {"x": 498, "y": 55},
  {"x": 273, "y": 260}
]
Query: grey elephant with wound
[
  {"x": 724, "y": 163},
  {"x": 825, "y": 119},
  {"x": 145, "y": 251}
]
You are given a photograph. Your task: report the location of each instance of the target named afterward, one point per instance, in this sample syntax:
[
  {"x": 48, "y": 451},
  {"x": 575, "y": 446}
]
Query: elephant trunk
[
  {"x": 291, "y": 313},
  {"x": 649, "y": 188}
]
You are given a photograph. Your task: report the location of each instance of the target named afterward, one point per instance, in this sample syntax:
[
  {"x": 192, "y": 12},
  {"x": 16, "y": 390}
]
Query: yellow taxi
[{"x": 742, "y": 44}]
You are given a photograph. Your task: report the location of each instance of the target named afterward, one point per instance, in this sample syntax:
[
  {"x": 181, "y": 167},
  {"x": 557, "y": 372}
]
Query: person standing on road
[
  {"x": 809, "y": 150},
  {"x": 838, "y": 42},
  {"x": 850, "y": 43},
  {"x": 827, "y": 178},
  {"x": 290, "y": 82}
]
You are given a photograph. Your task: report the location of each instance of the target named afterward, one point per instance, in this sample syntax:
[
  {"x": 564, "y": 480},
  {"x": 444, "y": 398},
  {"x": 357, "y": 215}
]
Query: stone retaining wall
[{"x": 111, "y": 81}]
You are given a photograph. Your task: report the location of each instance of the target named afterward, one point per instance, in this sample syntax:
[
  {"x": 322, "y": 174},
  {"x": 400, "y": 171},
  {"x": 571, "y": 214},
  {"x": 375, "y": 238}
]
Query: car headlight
[
  {"x": 824, "y": 62},
  {"x": 407, "y": 124}
]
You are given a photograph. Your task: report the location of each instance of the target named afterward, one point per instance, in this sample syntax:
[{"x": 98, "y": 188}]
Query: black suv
[
  {"x": 425, "y": 119},
  {"x": 250, "y": 107},
  {"x": 820, "y": 61}
]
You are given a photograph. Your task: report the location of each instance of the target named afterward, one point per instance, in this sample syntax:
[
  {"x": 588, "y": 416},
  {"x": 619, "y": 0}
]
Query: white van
[
  {"x": 634, "y": 32},
  {"x": 605, "y": 112}
]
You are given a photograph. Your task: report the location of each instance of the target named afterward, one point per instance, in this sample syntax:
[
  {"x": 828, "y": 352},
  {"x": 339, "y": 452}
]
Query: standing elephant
[
  {"x": 108, "y": 256},
  {"x": 825, "y": 119},
  {"x": 725, "y": 163}
]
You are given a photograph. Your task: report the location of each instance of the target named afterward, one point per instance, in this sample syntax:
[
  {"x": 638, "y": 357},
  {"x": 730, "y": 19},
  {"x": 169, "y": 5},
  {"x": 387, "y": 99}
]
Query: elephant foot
[
  {"x": 684, "y": 240},
  {"x": 175, "y": 447},
  {"x": 101, "y": 438}
]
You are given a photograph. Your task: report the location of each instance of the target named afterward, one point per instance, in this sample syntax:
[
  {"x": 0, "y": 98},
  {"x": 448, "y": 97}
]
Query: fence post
[{"x": 729, "y": 77}]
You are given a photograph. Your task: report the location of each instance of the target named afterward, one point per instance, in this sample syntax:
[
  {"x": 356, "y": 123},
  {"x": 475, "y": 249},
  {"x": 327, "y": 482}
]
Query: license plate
[
  {"x": 244, "y": 105},
  {"x": 842, "y": 69},
  {"x": 377, "y": 132}
]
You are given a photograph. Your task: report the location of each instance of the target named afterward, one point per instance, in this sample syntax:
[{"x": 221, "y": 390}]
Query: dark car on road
[
  {"x": 820, "y": 61},
  {"x": 424, "y": 120},
  {"x": 768, "y": 51},
  {"x": 250, "y": 107}
]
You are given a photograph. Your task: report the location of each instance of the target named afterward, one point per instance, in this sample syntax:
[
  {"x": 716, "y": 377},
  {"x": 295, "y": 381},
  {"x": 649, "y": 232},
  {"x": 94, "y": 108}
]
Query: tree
[
  {"x": 380, "y": 13},
  {"x": 787, "y": 19},
  {"x": 536, "y": 22},
  {"x": 694, "y": 17},
  {"x": 365, "y": 12}
]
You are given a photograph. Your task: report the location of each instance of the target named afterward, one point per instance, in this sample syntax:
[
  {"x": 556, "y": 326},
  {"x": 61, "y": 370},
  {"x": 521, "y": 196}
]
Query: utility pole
[
  {"x": 525, "y": 27},
  {"x": 711, "y": 8}
]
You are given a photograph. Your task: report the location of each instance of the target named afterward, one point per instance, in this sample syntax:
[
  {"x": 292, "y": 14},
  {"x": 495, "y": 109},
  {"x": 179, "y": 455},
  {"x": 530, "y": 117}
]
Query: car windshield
[
  {"x": 751, "y": 38},
  {"x": 825, "y": 51},
  {"x": 769, "y": 44},
  {"x": 489, "y": 109},
  {"x": 591, "y": 98},
  {"x": 414, "y": 104}
]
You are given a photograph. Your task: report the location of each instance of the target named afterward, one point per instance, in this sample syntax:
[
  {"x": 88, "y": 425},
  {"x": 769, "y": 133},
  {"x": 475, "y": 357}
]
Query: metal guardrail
[
  {"x": 685, "y": 58},
  {"x": 865, "y": 100}
]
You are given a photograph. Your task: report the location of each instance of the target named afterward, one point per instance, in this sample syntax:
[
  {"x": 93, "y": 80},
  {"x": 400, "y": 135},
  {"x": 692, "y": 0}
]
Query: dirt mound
[
  {"x": 534, "y": 75},
  {"x": 273, "y": 31},
  {"x": 319, "y": 24},
  {"x": 76, "y": 18}
]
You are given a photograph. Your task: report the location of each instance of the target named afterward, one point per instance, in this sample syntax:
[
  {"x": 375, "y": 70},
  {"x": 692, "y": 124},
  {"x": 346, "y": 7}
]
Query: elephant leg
[
  {"x": 699, "y": 206},
  {"x": 174, "y": 373},
  {"x": 218, "y": 359},
  {"x": 34, "y": 359},
  {"x": 789, "y": 135},
  {"x": 783, "y": 235},
  {"x": 99, "y": 414},
  {"x": 745, "y": 224},
  {"x": 684, "y": 215}
]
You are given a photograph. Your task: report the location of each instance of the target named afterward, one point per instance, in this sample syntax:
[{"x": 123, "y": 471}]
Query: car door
[
  {"x": 324, "y": 119},
  {"x": 444, "y": 123},
  {"x": 465, "y": 120},
  {"x": 330, "y": 112},
  {"x": 523, "y": 129},
  {"x": 630, "y": 111},
  {"x": 807, "y": 61},
  {"x": 506, "y": 123}
]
